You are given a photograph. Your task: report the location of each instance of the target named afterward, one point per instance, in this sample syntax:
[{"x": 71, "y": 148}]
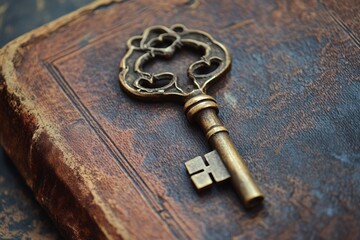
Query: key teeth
[
  {"x": 200, "y": 172},
  {"x": 218, "y": 169},
  {"x": 195, "y": 165},
  {"x": 201, "y": 180}
]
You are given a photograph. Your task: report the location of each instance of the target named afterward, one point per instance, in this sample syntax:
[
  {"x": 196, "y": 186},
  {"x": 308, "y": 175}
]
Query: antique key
[{"x": 161, "y": 41}]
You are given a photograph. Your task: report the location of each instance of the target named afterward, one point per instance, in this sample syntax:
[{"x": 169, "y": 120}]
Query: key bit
[
  {"x": 204, "y": 171},
  {"x": 160, "y": 41}
]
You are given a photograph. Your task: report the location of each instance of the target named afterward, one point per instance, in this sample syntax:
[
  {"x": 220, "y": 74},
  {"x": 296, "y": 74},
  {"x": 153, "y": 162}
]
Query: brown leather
[{"x": 107, "y": 166}]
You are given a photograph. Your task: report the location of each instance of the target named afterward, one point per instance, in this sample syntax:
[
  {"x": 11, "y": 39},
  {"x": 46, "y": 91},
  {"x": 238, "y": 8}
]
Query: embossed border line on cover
[{"x": 175, "y": 224}]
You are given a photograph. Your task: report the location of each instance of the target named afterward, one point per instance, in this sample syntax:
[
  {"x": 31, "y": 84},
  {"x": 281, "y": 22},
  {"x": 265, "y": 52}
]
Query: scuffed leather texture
[
  {"x": 106, "y": 165},
  {"x": 21, "y": 217}
]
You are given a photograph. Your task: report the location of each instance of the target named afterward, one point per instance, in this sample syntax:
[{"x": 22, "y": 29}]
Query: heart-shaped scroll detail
[
  {"x": 156, "y": 82},
  {"x": 203, "y": 68},
  {"x": 164, "y": 42}
]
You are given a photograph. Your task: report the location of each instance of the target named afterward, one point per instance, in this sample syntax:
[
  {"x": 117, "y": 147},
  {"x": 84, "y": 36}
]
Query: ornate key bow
[{"x": 159, "y": 41}]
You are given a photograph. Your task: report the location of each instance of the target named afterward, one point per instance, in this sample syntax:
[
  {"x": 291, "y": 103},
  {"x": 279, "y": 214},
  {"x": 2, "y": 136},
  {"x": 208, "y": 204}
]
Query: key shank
[{"x": 203, "y": 109}]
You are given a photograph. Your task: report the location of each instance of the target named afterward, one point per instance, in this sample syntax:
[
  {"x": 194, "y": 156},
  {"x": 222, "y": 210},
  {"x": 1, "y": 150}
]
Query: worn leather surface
[
  {"x": 106, "y": 165},
  {"x": 21, "y": 217}
]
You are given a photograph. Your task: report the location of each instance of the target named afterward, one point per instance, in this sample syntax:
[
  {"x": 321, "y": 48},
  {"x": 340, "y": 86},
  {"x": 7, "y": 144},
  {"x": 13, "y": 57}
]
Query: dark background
[{"x": 21, "y": 217}]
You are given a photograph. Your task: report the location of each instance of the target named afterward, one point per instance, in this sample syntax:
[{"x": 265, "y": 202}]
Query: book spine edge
[{"x": 32, "y": 152}]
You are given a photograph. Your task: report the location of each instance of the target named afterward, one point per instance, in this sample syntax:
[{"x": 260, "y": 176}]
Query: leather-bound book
[{"x": 106, "y": 165}]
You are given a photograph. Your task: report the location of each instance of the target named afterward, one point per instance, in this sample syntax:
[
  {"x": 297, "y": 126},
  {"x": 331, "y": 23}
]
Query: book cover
[{"x": 105, "y": 165}]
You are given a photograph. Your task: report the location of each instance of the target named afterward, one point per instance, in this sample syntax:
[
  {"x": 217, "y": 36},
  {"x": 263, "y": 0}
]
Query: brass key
[{"x": 160, "y": 41}]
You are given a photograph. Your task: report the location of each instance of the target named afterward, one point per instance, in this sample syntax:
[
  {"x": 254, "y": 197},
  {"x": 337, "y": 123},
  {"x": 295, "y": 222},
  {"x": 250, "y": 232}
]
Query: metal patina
[{"x": 161, "y": 41}]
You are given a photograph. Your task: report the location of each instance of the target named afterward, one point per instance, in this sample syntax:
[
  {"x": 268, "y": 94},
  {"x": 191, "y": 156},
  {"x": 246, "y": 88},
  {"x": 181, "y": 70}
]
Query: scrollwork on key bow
[{"x": 162, "y": 41}]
